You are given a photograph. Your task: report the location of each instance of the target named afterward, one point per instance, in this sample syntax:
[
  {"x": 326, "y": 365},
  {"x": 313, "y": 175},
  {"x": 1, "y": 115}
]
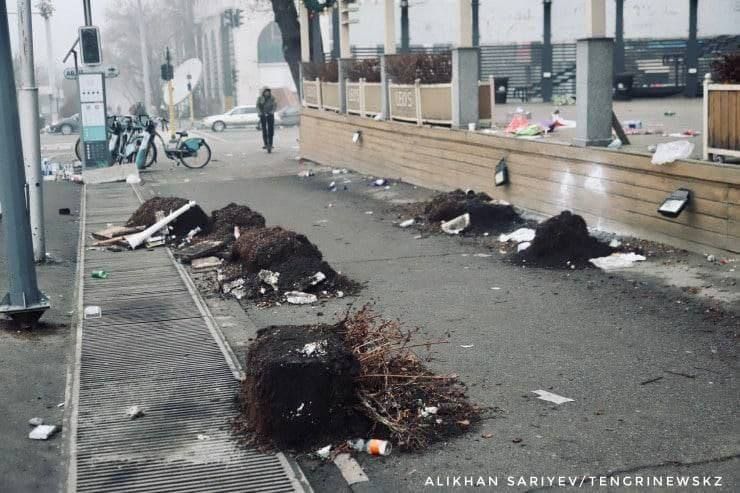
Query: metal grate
[{"x": 153, "y": 348}]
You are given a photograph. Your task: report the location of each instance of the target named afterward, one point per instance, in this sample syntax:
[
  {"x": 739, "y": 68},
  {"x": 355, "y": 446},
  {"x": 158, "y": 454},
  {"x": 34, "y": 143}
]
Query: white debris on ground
[
  {"x": 550, "y": 397},
  {"x": 324, "y": 452},
  {"x": 270, "y": 278},
  {"x": 457, "y": 225},
  {"x": 36, "y": 421},
  {"x": 300, "y": 298},
  {"x": 672, "y": 151},
  {"x": 406, "y": 223},
  {"x": 314, "y": 349},
  {"x": 134, "y": 412},
  {"x": 521, "y": 235},
  {"x": 617, "y": 261},
  {"x": 43, "y": 432},
  {"x": 615, "y": 243},
  {"x": 318, "y": 278},
  {"x": 523, "y": 246}
]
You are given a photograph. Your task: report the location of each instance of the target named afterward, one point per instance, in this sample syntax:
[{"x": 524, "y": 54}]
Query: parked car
[
  {"x": 289, "y": 116},
  {"x": 240, "y": 116},
  {"x": 65, "y": 126}
]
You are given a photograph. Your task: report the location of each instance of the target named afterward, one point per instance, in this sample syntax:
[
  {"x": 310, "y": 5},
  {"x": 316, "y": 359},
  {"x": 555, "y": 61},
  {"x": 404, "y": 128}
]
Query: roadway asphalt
[{"x": 593, "y": 337}]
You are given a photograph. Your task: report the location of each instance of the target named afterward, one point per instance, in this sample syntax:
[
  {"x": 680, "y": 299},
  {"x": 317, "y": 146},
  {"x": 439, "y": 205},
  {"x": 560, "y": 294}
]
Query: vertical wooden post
[
  {"x": 465, "y": 24},
  {"x": 705, "y": 123},
  {"x": 305, "y": 43},
  {"x": 390, "y": 100},
  {"x": 595, "y": 18},
  {"x": 417, "y": 96},
  {"x": 319, "y": 94},
  {"x": 390, "y": 27}
]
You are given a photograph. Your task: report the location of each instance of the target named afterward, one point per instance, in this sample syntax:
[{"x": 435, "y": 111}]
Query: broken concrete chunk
[
  {"x": 314, "y": 349},
  {"x": 43, "y": 432},
  {"x": 299, "y": 298},
  {"x": 206, "y": 263},
  {"x": 270, "y": 278},
  {"x": 457, "y": 225},
  {"x": 227, "y": 287}
]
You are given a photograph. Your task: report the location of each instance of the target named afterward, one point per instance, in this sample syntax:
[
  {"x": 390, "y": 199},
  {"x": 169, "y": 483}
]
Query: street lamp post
[
  {"x": 24, "y": 302},
  {"x": 46, "y": 9}
]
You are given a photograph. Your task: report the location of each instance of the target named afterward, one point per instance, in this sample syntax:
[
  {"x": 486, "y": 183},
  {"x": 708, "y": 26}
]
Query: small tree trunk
[{"x": 286, "y": 17}]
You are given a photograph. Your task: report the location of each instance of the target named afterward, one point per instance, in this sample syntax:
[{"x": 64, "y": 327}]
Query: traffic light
[
  {"x": 238, "y": 17},
  {"x": 90, "y": 45},
  {"x": 228, "y": 18},
  {"x": 168, "y": 71}
]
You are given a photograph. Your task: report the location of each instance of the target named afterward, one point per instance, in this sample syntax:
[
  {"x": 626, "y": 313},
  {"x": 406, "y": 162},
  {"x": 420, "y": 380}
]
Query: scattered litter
[
  {"x": 116, "y": 231},
  {"x": 99, "y": 274},
  {"x": 373, "y": 446},
  {"x": 407, "y": 223},
  {"x": 615, "y": 144},
  {"x": 61, "y": 404},
  {"x": 134, "y": 412},
  {"x": 617, "y": 261},
  {"x": 318, "y": 278},
  {"x": 206, "y": 263},
  {"x": 237, "y": 232},
  {"x": 550, "y": 397},
  {"x": 669, "y": 113},
  {"x": 487, "y": 435},
  {"x": 340, "y": 294},
  {"x": 672, "y": 151},
  {"x": 299, "y": 298},
  {"x": 64, "y": 211},
  {"x": 615, "y": 243},
  {"x": 466, "y": 346},
  {"x": 495, "y": 288},
  {"x": 36, "y": 421},
  {"x": 305, "y": 173},
  {"x": 228, "y": 287},
  {"x": 333, "y": 186},
  {"x": 324, "y": 452},
  {"x": 43, "y": 432},
  {"x": 133, "y": 179},
  {"x": 429, "y": 411},
  {"x": 314, "y": 349},
  {"x": 155, "y": 241},
  {"x": 523, "y": 246},
  {"x": 518, "y": 236},
  {"x": 350, "y": 469},
  {"x": 92, "y": 312},
  {"x": 711, "y": 258},
  {"x": 269, "y": 277},
  {"x": 380, "y": 182},
  {"x": 369, "y": 213},
  {"x": 342, "y": 171},
  {"x": 457, "y": 225}
]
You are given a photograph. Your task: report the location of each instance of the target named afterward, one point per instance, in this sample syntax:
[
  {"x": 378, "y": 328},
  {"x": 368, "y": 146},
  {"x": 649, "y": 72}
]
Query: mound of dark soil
[
  {"x": 265, "y": 248},
  {"x": 223, "y": 221},
  {"x": 146, "y": 215},
  {"x": 485, "y": 216},
  {"x": 296, "y": 273},
  {"x": 300, "y": 388},
  {"x": 563, "y": 242}
]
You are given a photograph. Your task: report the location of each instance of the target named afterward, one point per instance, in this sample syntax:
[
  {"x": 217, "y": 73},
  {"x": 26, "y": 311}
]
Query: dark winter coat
[{"x": 266, "y": 105}]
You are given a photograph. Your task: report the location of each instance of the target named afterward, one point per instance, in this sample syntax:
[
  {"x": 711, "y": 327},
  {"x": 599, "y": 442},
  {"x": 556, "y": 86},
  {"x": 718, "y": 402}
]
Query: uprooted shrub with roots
[
  {"x": 396, "y": 391},
  {"x": 225, "y": 219}
]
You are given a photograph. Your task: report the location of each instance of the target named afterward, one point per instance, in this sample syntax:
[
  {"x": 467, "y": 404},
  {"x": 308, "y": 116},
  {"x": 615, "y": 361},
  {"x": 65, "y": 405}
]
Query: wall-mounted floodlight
[
  {"x": 357, "y": 137},
  {"x": 675, "y": 203},
  {"x": 501, "y": 177}
]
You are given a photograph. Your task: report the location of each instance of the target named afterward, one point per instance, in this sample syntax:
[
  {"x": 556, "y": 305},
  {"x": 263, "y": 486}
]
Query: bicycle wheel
[
  {"x": 151, "y": 154},
  {"x": 78, "y": 149},
  {"x": 198, "y": 159}
]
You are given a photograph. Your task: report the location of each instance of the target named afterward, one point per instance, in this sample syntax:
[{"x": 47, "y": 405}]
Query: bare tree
[{"x": 286, "y": 17}]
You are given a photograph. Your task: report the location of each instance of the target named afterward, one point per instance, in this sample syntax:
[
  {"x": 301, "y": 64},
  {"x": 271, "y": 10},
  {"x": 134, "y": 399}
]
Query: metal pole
[
  {"x": 692, "y": 53},
  {"x": 29, "y": 111},
  {"x": 547, "y": 52},
  {"x": 335, "y": 55},
  {"x": 47, "y": 10},
  {"x": 405, "y": 38},
  {"x": 88, "y": 12},
  {"x": 619, "y": 38},
  {"x": 24, "y": 302},
  {"x": 145, "y": 66},
  {"x": 171, "y": 101},
  {"x": 476, "y": 23}
]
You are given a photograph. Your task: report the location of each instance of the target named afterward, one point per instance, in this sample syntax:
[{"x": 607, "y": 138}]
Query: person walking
[{"x": 266, "y": 105}]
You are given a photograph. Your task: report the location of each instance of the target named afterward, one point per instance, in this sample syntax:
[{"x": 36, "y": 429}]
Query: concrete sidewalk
[
  {"x": 33, "y": 365},
  {"x": 587, "y": 335}
]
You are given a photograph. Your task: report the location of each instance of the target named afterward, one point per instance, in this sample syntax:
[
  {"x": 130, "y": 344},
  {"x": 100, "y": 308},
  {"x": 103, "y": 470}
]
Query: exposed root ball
[
  {"x": 266, "y": 247},
  {"x": 145, "y": 215},
  {"x": 224, "y": 220},
  {"x": 563, "y": 241},
  {"x": 484, "y": 215}
]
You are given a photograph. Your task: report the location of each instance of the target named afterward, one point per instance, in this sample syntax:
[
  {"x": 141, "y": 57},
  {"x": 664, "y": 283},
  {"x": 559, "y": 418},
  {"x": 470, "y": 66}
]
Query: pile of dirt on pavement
[
  {"x": 297, "y": 262},
  {"x": 266, "y": 247},
  {"x": 407, "y": 403},
  {"x": 485, "y": 215},
  {"x": 146, "y": 215},
  {"x": 300, "y": 388},
  {"x": 224, "y": 220},
  {"x": 563, "y": 241}
]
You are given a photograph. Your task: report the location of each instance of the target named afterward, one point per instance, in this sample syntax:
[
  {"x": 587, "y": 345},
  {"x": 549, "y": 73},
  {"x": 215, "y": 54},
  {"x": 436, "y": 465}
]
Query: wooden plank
[
  {"x": 724, "y": 124},
  {"x": 733, "y": 129}
]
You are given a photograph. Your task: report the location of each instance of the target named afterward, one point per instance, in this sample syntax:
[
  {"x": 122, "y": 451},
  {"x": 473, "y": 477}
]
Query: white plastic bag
[{"x": 672, "y": 151}]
